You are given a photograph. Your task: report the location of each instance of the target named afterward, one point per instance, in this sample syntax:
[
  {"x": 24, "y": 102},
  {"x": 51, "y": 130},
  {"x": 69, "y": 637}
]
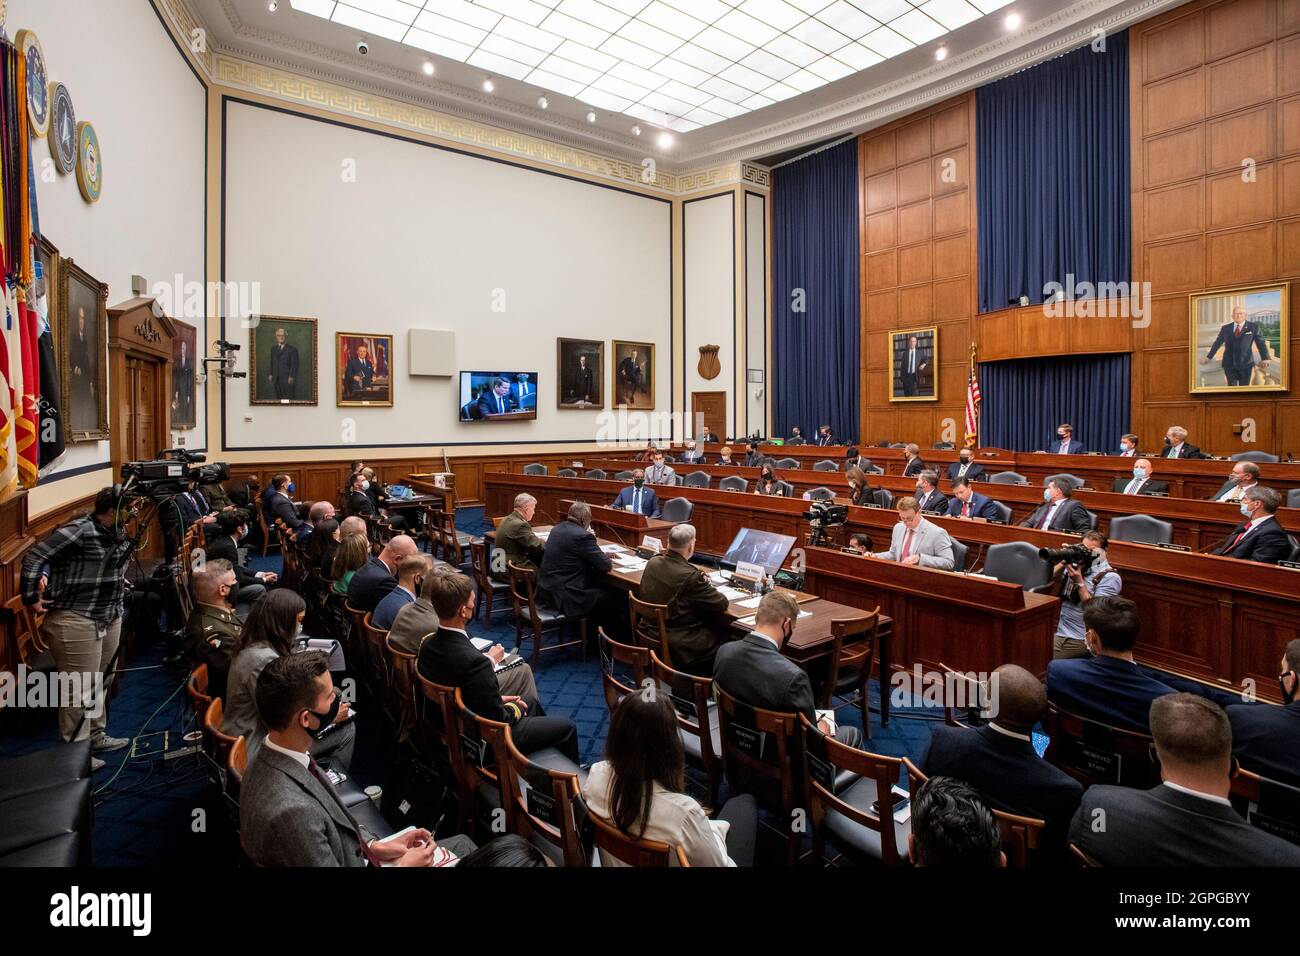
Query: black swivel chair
[
  {"x": 1017, "y": 561},
  {"x": 697, "y": 479},
  {"x": 536, "y": 468},
  {"x": 826, "y": 465},
  {"x": 1142, "y": 529},
  {"x": 1008, "y": 478},
  {"x": 734, "y": 483},
  {"x": 677, "y": 510},
  {"x": 1254, "y": 456}
]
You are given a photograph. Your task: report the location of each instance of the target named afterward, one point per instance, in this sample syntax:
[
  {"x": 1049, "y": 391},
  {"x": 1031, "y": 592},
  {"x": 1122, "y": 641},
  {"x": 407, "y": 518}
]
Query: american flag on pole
[{"x": 972, "y": 403}]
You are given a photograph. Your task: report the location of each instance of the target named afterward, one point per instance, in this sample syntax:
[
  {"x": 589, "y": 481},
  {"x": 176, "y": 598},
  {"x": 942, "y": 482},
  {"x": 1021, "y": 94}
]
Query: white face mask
[{"x": 365, "y": 484}]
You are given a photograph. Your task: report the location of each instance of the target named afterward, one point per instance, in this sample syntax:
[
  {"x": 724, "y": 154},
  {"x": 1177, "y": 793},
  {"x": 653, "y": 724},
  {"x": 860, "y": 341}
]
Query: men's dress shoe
[
  {"x": 96, "y": 764},
  {"x": 103, "y": 743}
]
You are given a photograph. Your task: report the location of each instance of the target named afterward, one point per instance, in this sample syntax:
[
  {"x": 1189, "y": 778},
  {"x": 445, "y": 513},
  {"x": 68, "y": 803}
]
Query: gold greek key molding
[{"x": 184, "y": 26}]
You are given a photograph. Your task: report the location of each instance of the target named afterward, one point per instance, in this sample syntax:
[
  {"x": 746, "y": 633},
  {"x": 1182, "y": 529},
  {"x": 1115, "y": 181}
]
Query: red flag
[
  {"x": 972, "y": 403},
  {"x": 26, "y": 426}
]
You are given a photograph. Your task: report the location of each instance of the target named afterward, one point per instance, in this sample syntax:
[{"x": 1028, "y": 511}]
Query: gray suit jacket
[
  {"x": 289, "y": 818},
  {"x": 1164, "y": 827},
  {"x": 240, "y": 715},
  {"x": 412, "y": 623},
  {"x": 931, "y": 542}
]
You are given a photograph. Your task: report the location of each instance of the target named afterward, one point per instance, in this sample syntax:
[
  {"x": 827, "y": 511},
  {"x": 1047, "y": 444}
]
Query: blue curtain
[
  {"x": 815, "y": 267},
  {"x": 1053, "y": 176},
  {"x": 1022, "y": 401}
]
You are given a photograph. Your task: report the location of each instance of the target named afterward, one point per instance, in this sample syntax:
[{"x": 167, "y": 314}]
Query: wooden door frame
[{"x": 136, "y": 333}]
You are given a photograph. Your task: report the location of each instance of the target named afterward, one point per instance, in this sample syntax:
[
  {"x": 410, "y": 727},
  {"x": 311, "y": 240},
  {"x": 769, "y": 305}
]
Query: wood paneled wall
[
  {"x": 917, "y": 199},
  {"x": 1211, "y": 84},
  {"x": 1214, "y": 85}
]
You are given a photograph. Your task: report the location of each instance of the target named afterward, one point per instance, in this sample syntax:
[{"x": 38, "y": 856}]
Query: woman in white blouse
[{"x": 640, "y": 785}]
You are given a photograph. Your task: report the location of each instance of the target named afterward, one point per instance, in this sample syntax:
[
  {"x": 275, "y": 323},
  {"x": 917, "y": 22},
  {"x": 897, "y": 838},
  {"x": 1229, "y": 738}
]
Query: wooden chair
[
  {"x": 844, "y": 812},
  {"x": 548, "y": 804},
  {"x": 489, "y": 588},
  {"x": 852, "y": 649},
  {"x": 650, "y": 626},
  {"x": 451, "y": 542},
  {"x": 1093, "y": 752},
  {"x": 530, "y": 613},
  {"x": 401, "y": 666},
  {"x": 964, "y": 697},
  {"x": 440, "y": 722},
  {"x": 1022, "y": 837},
  {"x": 216, "y": 745},
  {"x": 639, "y": 853},
  {"x": 197, "y": 689},
  {"x": 697, "y": 718},
  {"x": 180, "y": 582},
  {"x": 635, "y": 659},
  {"x": 1080, "y": 858},
  {"x": 381, "y": 681},
  {"x": 355, "y": 641},
  {"x": 772, "y": 773},
  {"x": 1263, "y": 800},
  {"x": 261, "y": 522},
  {"x": 378, "y": 529},
  {"x": 480, "y": 738},
  {"x": 32, "y": 650}
]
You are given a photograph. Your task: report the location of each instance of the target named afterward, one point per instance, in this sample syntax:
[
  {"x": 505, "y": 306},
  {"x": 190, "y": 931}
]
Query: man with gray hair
[
  {"x": 572, "y": 575},
  {"x": 1260, "y": 537},
  {"x": 515, "y": 539},
  {"x": 697, "y": 611},
  {"x": 353, "y": 524},
  {"x": 212, "y": 631},
  {"x": 1177, "y": 446}
]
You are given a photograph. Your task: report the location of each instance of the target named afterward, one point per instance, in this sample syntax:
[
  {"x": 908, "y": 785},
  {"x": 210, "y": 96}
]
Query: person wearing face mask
[
  {"x": 916, "y": 541},
  {"x": 697, "y": 611},
  {"x": 1128, "y": 446},
  {"x": 796, "y": 436},
  {"x": 1107, "y": 685},
  {"x": 966, "y": 466},
  {"x": 1265, "y": 738},
  {"x": 1259, "y": 537},
  {"x": 1141, "y": 483},
  {"x": 1076, "y": 590},
  {"x": 278, "y": 503},
  {"x": 755, "y": 457},
  {"x": 724, "y": 456},
  {"x": 861, "y": 493},
  {"x": 1059, "y": 511},
  {"x": 767, "y": 483},
  {"x": 970, "y": 504},
  {"x": 272, "y": 630},
  {"x": 212, "y": 630},
  {"x": 912, "y": 455},
  {"x": 691, "y": 455},
  {"x": 637, "y": 497},
  {"x": 1245, "y": 475},
  {"x": 1177, "y": 446},
  {"x": 365, "y": 499},
  {"x": 928, "y": 495},
  {"x": 755, "y": 672},
  {"x": 410, "y": 575},
  {"x": 1065, "y": 443},
  {"x": 660, "y": 473},
  {"x": 233, "y": 528},
  {"x": 289, "y": 812}
]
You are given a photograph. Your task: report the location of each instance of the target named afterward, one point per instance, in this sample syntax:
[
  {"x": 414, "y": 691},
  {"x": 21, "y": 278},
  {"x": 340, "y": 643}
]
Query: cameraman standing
[
  {"x": 1077, "y": 589},
  {"x": 76, "y": 576}
]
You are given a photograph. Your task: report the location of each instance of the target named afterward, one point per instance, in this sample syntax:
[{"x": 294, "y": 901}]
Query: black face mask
[
  {"x": 1288, "y": 697},
  {"x": 767, "y": 476},
  {"x": 638, "y": 482},
  {"x": 1168, "y": 440},
  {"x": 326, "y": 719},
  {"x": 965, "y": 459},
  {"x": 1061, "y": 435}
]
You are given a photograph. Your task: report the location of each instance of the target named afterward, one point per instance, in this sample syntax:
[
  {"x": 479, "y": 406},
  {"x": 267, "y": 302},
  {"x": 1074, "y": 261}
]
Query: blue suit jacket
[
  {"x": 1266, "y": 739},
  {"x": 385, "y": 612},
  {"x": 1105, "y": 689},
  {"x": 1075, "y": 446},
  {"x": 649, "y": 501},
  {"x": 487, "y": 403},
  {"x": 981, "y": 506},
  {"x": 974, "y": 473}
]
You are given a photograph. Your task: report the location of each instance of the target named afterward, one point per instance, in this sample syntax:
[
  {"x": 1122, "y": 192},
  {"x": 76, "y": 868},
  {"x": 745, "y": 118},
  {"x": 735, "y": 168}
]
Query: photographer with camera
[
  {"x": 76, "y": 576},
  {"x": 1080, "y": 573}
]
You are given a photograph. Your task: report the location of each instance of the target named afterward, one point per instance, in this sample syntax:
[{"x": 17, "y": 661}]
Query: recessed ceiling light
[
  {"x": 591, "y": 116},
  {"x": 665, "y": 140},
  {"x": 488, "y": 85},
  {"x": 543, "y": 102},
  {"x": 636, "y": 130},
  {"x": 428, "y": 68},
  {"x": 1012, "y": 21},
  {"x": 941, "y": 53}
]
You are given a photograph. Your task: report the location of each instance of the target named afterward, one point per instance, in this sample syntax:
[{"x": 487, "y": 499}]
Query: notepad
[
  {"x": 752, "y": 602},
  {"x": 752, "y": 620},
  {"x": 734, "y": 594},
  {"x": 611, "y": 548},
  {"x": 481, "y": 643}
]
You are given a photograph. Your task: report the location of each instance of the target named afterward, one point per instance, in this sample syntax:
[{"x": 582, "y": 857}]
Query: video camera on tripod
[
  {"x": 165, "y": 477},
  {"x": 821, "y": 517}
]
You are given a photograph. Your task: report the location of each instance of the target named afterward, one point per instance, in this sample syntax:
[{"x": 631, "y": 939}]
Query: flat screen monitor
[
  {"x": 498, "y": 396},
  {"x": 764, "y": 548}
]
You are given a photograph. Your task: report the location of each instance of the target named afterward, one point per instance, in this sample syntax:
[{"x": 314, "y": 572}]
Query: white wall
[
  {"x": 128, "y": 79},
  {"x": 425, "y": 237},
  {"x": 709, "y": 254},
  {"x": 756, "y": 311}
]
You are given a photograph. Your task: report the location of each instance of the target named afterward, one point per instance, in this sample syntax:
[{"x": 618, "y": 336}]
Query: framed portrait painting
[
  {"x": 914, "y": 365},
  {"x": 282, "y": 357},
  {"x": 580, "y": 370},
  {"x": 1239, "y": 340},
  {"x": 81, "y": 334},
  {"x": 47, "y": 257},
  {"x": 184, "y": 364},
  {"x": 634, "y": 374},
  {"x": 364, "y": 369}
]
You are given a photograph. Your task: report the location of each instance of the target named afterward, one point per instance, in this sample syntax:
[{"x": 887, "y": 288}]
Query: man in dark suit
[
  {"x": 824, "y": 436},
  {"x": 1238, "y": 339},
  {"x": 1176, "y": 445},
  {"x": 516, "y": 539},
  {"x": 968, "y": 503},
  {"x": 81, "y": 366},
  {"x": 911, "y": 364},
  {"x": 1107, "y": 687},
  {"x": 796, "y": 436},
  {"x": 691, "y": 454},
  {"x": 522, "y": 392},
  {"x": 450, "y": 659},
  {"x": 928, "y": 495},
  {"x": 755, "y": 672},
  {"x": 998, "y": 759},
  {"x": 1059, "y": 511},
  {"x": 966, "y": 466},
  {"x": 411, "y": 572},
  {"x": 497, "y": 400},
  {"x": 374, "y": 579},
  {"x": 358, "y": 373},
  {"x": 582, "y": 385},
  {"x": 1187, "y": 820},
  {"x": 1265, "y": 738},
  {"x": 912, "y": 456},
  {"x": 709, "y": 438},
  {"x": 1128, "y": 446},
  {"x": 278, "y": 503},
  {"x": 282, "y": 374},
  {"x": 1141, "y": 483},
  {"x": 755, "y": 458},
  {"x": 1259, "y": 537},
  {"x": 697, "y": 611},
  {"x": 232, "y": 528},
  {"x": 638, "y": 497},
  {"x": 1065, "y": 443},
  {"x": 289, "y": 813},
  {"x": 572, "y": 575},
  {"x": 630, "y": 378},
  {"x": 183, "y": 385},
  {"x": 1245, "y": 475},
  {"x": 359, "y": 502}
]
